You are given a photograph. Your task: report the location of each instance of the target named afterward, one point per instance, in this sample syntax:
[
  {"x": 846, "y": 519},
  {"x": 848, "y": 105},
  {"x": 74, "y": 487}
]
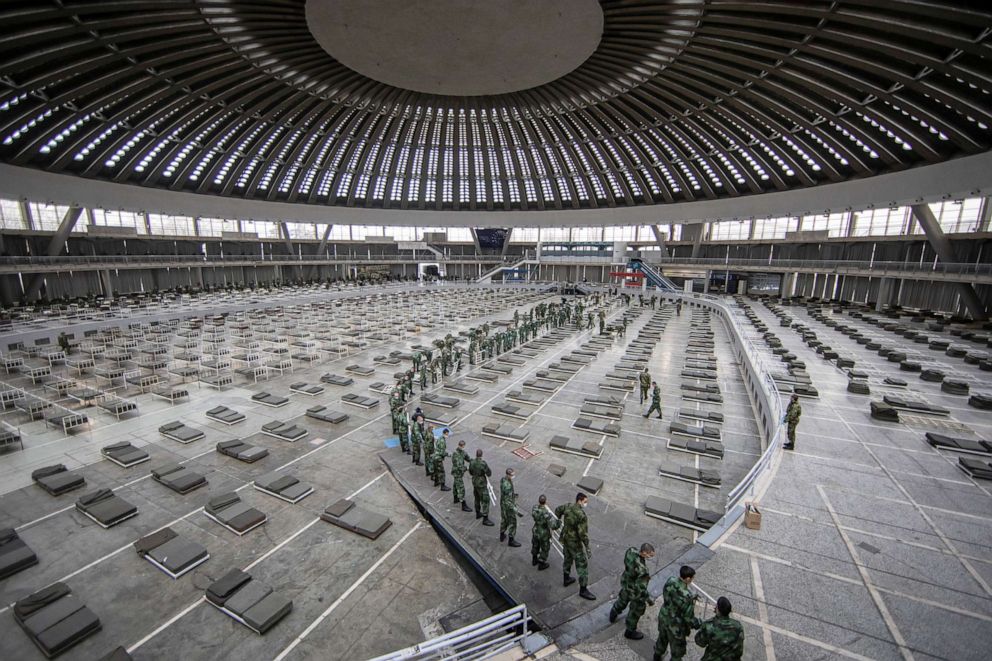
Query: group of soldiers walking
[{"x": 721, "y": 636}]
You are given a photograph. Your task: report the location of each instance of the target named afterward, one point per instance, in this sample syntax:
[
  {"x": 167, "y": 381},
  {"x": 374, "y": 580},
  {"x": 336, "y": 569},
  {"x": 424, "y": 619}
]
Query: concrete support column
[
  {"x": 945, "y": 251},
  {"x": 26, "y": 214},
  {"x": 55, "y": 246},
  {"x": 660, "y": 240},
  {"x": 788, "y": 284},
  {"x": 885, "y": 290},
  {"x": 106, "y": 283},
  {"x": 197, "y": 276}
]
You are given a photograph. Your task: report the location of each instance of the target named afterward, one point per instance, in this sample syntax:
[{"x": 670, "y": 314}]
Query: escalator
[{"x": 653, "y": 276}]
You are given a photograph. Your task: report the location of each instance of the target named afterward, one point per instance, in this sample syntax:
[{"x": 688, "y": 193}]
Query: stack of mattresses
[
  {"x": 178, "y": 478},
  {"x": 57, "y": 479},
  {"x": 703, "y": 476},
  {"x": 324, "y": 414},
  {"x": 225, "y": 415},
  {"x": 248, "y": 601},
  {"x": 954, "y": 444},
  {"x": 596, "y": 426},
  {"x": 179, "y": 432},
  {"x": 124, "y": 454},
  {"x": 268, "y": 399},
  {"x": 306, "y": 389},
  {"x": 228, "y": 510},
  {"x": 242, "y": 451},
  {"x": 882, "y": 411},
  {"x": 284, "y": 431},
  {"x": 348, "y": 515},
  {"x": 337, "y": 380},
  {"x": 574, "y": 446},
  {"x": 505, "y": 432},
  {"x": 360, "y": 401},
  {"x": 170, "y": 553},
  {"x": 15, "y": 555},
  {"x": 282, "y": 486},
  {"x": 681, "y": 514},
  {"x": 105, "y": 507},
  {"x": 54, "y": 619}
]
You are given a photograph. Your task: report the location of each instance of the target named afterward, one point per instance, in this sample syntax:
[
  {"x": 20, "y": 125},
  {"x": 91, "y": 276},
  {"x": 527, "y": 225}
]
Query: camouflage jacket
[
  {"x": 678, "y": 614},
  {"x": 656, "y": 396},
  {"x": 479, "y": 470},
  {"x": 793, "y": 412},
  {"x": 440, "y": 448},
  {"x": 544, "y": 522},
  {"x": 723, "y": 638},
  {"x": 634, "y": 581},
  {"x": 507, "y": 496},
  {"x": 645, "y": 380},
  {"x": 459, "y": 459},
  {"x": 574, "y": 525}
]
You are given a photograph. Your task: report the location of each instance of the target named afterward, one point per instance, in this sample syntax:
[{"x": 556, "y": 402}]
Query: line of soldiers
[{"x": 721, "y": 636}]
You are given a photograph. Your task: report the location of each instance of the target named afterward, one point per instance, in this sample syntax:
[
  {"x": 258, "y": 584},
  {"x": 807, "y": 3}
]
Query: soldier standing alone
[
  {"x": 540, "y": 537},
  {"x": 721, "y": 635},
  {"x": 479, "y": 470},
  {"x": 677, "y": 615},
  {"x": 792, "y": 420},
  {"x": 655, "y": 401},
  {"x": 634, "y": 589},
  {"x": 459, "y": 462},
  {"x": 575, "y": 543},
  {"x": 508, "y": 510},
  {"x": 645, "y": 381}
]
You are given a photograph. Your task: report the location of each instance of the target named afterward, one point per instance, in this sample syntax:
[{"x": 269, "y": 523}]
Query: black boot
[
  {"x": 585, "y": 594},
  {"x": 444, "y": 487},
  {"x": 568, "y": 580},
  {"x": 478, "y": 514},
  {"x": 487, "y": 522},
  {"x": 502, "y": 537},
  {"x": 513, "y": 543},
  {"x": 420, "y": 463},
  {"x": 465, "y": 507},
  {"x": 456, "y": 500},
  {"x": 533, "y": 561},
  {"x": 614, "y": 614},
  {"x": 633, "y": 635},
  {"x": 541, "y": 566}
]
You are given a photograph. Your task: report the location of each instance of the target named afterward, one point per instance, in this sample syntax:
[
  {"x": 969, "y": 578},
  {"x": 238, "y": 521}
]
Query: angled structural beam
[
  {"x": 506, "y": 241},
  {"x": 284, "y": 230},
  {"x": 475, "y": 240},
  {"x": 659, "y": 239},
  {"x": 55, "y": 246},
  {"x": 321, "y": 247},
  {"x": 945, "y": 251}
]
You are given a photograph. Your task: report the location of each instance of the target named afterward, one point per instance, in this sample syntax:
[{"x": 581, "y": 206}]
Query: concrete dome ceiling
[{"x": 679, "y": 100}]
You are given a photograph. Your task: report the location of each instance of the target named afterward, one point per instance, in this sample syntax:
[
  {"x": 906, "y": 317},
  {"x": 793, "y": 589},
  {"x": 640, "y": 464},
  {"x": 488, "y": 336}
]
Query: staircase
[
  {"x": 652, "y": 275},
  {"x": 487, "y": 277}
]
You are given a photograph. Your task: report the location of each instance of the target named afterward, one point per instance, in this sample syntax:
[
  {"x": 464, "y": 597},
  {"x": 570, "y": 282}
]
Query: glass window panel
[
  {"x": 169, "y": 225},
  {"x": 464, "y": 234},
  {"x": 10, "y": 215},
  {"x": 47, "y": 217}
]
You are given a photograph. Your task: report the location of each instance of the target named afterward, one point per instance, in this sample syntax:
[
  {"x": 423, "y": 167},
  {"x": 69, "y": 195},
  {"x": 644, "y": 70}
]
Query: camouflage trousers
[
  {"x": 668, "y": 635},
  {"x": 576, "y": 554},
  {"x": 636, "y": 606},
  {"x": 438, "y": 466},
  {"x": 415, "y": 448},
  {"x": 539, "y": 547},
  {"x": 654, "y": 407},
  {"x": 404, "y": 439},
  {"x": 791, "y": 432},
  {"x": 644, "y": 393},
  {"x": 508, "y": 520},
  {"x": 481, "y": 496},
  {"x": 458, "y": 486}
]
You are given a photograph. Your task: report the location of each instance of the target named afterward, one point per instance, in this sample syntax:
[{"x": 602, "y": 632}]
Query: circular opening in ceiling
[{"x": 458, "y": 47}]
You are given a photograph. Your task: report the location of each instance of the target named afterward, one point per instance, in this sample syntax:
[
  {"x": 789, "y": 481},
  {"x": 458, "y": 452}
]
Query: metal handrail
[{"x": 480, "y": 640}]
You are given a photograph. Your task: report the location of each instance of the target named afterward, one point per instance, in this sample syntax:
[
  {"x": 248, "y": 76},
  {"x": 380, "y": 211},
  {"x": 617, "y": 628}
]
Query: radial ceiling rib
[{"x": 695, "y": 100}]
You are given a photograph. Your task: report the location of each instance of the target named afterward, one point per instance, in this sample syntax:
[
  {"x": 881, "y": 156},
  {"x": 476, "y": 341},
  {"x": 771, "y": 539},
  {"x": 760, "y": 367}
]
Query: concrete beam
[
  {"x": 321, "y": 247},
  {"x": 506, "y": 241},
  {"x": 475, "y": 240},
  {"x": 945, "y": 251},
  {"x": 55, "y": 246},
  {"x": 659, "y": 239},
  {"x": 284, "y": 230}
]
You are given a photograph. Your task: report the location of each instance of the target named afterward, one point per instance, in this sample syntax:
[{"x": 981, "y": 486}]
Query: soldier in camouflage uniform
[
  {"x": 677, "y": 615},
  {"x": 440, "y": 452},
  {"x": 634, "y": 589},
  {"x": 508, "y": 509},
  {"x": 792, "y": 420},
  {"x": 428, "y": 439},
  {"x": 404, "y": 433},
  {"x": 417, "y": 438},
  {"x": 423, "y": 378},
  {"x": 645, "y": 380},
  {"x": 655, "y": 401},
  {"x": 575, "y": 542},
  {"x": 540, "y": 536},
  {"x": 480, "y": 471},
  {"x": 721, "y": 635},
  {"x": 416, "y": 360},
  {"x": 459, "y": 464}
]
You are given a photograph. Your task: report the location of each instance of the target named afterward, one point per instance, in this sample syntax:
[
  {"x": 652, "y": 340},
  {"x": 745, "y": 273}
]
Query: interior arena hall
[{"x": 510, "y": 329}]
